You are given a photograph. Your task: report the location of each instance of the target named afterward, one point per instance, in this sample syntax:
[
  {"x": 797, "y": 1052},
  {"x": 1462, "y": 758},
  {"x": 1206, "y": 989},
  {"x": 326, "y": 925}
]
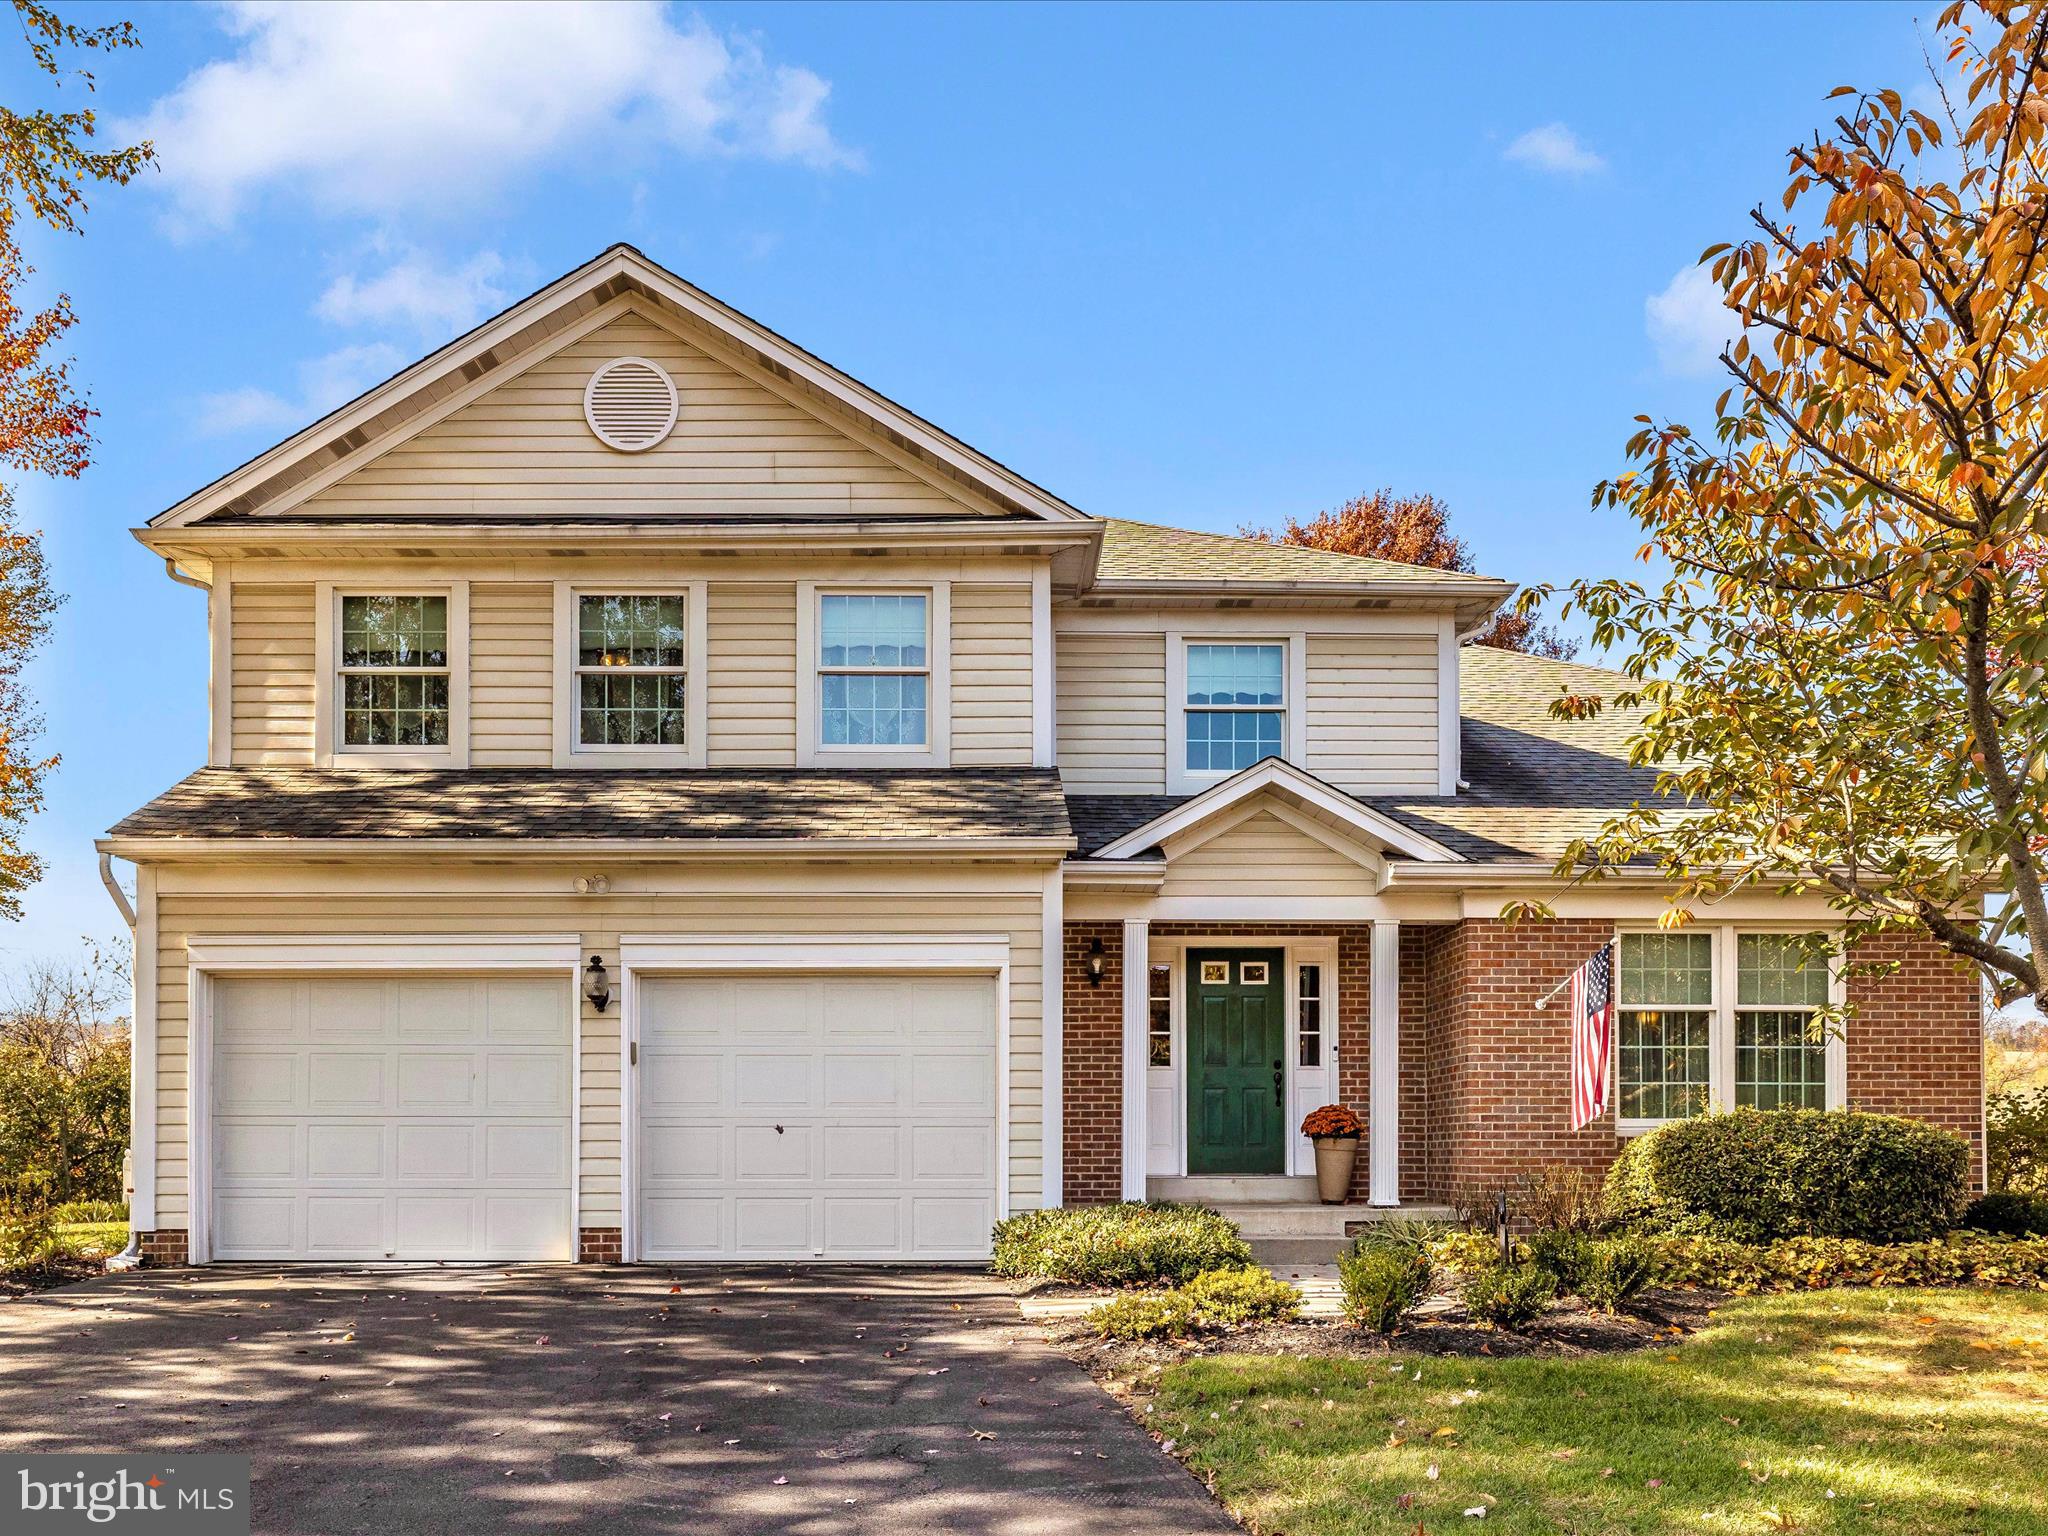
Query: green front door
[{"x": 1237, "y": 1049}]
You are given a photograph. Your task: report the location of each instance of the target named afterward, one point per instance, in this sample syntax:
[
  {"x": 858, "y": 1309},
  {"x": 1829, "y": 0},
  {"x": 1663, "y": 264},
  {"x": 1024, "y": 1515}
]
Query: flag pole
[{"x": 1544, "y": 1001}]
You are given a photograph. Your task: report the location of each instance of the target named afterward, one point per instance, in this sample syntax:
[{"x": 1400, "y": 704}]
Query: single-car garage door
[
  {"x": 416, "y": 1117},
  {"x": 840, "y": 1116}
]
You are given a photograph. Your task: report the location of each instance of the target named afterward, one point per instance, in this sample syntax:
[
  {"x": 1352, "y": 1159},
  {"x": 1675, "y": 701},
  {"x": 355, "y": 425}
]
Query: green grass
[
  {"x": 1922, "y": 1411},
  {"x": 93, "y": 1239}
]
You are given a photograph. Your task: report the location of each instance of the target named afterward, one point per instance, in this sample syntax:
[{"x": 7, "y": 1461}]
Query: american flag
[{"x": 1592, "y": 1033}]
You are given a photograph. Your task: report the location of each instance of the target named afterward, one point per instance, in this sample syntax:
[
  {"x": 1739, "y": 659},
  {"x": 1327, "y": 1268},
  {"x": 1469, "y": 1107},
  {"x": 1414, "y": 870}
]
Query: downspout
[
  {"x": 171, "y": 570},
  {"x": 131, "y": 1256}
]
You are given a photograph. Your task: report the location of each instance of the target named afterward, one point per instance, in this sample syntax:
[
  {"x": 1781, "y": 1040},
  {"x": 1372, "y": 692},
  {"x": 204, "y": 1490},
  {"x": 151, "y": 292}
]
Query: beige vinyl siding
[
  {"x": 511, "y": 674},
  {"x": 991, "y": 675},
  {"x": 1372, "y": 712},
  {"x": 468, "y": 899},
  {"x": 1110, "y": 706},
  {"x": 524, "y": 448},
  {"x": 750, "y": 630},
  {"x": 271, "y": 630},
  {"x": 1263, "y": 857}
]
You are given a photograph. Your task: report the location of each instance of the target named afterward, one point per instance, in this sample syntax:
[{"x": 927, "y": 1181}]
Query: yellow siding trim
[{"x": 271, "y": 653}]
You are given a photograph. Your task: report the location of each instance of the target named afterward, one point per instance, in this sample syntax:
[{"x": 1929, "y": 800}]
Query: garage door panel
[
  {"x": 884, "y": 1092},
  {"x": 415, "y": 1117}
]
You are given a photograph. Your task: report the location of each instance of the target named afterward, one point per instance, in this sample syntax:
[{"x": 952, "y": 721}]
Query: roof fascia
[{"x": 298, "y": 849}]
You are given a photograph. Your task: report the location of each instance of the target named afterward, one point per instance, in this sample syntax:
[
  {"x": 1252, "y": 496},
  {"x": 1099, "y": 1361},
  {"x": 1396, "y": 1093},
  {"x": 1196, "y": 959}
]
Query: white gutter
[
  {"x": 503, "y": 848},
  {"x": 130, "y": 1256}
]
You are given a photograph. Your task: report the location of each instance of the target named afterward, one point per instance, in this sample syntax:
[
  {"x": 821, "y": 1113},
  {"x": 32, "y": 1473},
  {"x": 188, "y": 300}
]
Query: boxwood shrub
[
  {"x": 1810, "y": 1263},
  {"x": 1129, "y": 1244},
  {"x": 2008, "y": 1214},
  {"x": 1757, "y": 1175}
]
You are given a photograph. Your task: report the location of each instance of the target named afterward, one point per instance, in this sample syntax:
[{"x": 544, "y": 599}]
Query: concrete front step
[
  {"x": 1318, "y": 1221},
  {"x": 1248, "y": 1189}
]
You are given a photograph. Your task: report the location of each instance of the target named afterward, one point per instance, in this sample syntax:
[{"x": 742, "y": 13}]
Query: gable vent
[{"x": 630, "y": 404}]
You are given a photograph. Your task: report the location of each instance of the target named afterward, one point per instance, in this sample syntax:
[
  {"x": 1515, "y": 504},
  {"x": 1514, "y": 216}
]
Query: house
[{"x": 665, "y": 800}]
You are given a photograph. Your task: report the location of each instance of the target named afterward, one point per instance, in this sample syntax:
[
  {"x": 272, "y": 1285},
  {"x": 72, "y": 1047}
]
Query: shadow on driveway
[{"x": 708, "y": 1400}]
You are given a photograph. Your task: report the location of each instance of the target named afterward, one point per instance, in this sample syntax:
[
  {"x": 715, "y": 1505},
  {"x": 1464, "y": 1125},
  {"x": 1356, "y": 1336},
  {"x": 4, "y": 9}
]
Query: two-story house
[{"x": 666, "y": 800}]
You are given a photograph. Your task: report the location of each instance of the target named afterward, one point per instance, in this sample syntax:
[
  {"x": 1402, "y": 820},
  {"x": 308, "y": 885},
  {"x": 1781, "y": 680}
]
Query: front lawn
[{"x": 1880, "y": 1411}]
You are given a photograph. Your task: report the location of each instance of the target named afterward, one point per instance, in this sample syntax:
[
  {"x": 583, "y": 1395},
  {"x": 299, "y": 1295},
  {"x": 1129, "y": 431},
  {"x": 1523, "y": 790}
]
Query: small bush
[
  {"x": 1127, "y": 1244},
  {"x": 1231, "y": 1298},
  {"x": 1465, "y": 1252},
  {"x": 1810, "y": 1263},
  {"x": 1510, "y": 1296},
  {"x": 1758, "y": 1175},
  {"x": 2016, "y": 1141},
  {"x": 1560, "y": 1199},
  {"x": 1145, "y": 1315},
  {"x": 2008, "y": 1214},
  {"x": 28, "y": 1230},
  {"x": 88, "y": 1212},
  {"x": 1565, "y": 1254},
  {"x": 1615, "y": 1271},
  {"x": 1382, "y": 1281}
]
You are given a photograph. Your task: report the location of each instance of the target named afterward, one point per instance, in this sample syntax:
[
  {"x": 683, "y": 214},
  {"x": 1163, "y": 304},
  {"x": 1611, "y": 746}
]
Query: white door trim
[
  {"x": 210, "y": 957},
  {"x": 894, "y": 953}
]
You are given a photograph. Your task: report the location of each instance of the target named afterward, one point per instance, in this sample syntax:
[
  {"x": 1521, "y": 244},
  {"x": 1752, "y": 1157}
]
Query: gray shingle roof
[
  {"x": 1537, "y": 783},
  {"x": 681, "y": 806},
  {"x": 1152, "y": 552}
]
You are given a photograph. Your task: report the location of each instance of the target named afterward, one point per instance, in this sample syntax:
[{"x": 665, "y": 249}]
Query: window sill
[
  {"x": 875, "y": 757},
  {"x": 393, "y": 758},
  {"x": 602, "y": 758},
  {"x": 1628, "y": 1130}
]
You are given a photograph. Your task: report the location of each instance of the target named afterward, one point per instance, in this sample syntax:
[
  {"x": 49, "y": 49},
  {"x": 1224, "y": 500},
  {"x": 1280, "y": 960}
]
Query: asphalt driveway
[{"x": 614, "y": 1400}]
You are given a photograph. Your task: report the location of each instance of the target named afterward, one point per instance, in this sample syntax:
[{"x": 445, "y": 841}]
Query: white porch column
[
  {"x": 1383, "y": 1130},
  {"x": 1137, "y": 965}
]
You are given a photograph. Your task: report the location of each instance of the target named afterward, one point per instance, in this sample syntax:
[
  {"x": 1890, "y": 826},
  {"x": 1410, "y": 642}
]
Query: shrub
[
  {"x": 1382, "y": 1281},
  {"x": 77, "y": 1212},
  {"x": 1562, "y": 1253},
  {"x": 28, "y": 1233},
  {"x": 1231, "y": 1298},
  {"x": 1472, "y": 1201},
  {"x": 1756, "y": 1175},
  {"x": 1465, "y": 1252},
  {"x": 1616, "y": 1269},
  {"x": 1810, "y": 1263},
  {"x": 2008, "y": 1214},
  {"x": 1560, "y": 1199},
  {"x": 1128, "y": 1244},
  {"x": 2016, "y": 1141},
  {"x": 1510, "y": 1296},
  {"x": 1145, "y": 1315}
]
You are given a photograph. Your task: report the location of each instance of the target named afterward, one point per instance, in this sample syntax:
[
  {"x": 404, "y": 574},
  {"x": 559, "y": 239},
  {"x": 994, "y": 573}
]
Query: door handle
[{"x": 1279, "y": 1085}]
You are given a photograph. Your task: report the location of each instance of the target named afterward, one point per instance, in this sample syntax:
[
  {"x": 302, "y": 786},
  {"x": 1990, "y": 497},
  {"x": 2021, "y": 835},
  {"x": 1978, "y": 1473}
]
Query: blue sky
[{"x": 1201, "y": 266}]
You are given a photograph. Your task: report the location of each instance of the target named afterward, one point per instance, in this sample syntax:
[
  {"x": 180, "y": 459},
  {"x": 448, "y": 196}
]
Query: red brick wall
[
  {"x": 600, "y": 1245},
  {"x": 1916, "y": 1043},
  {"x": 164, "y": 1246},
  {"x": 1092, "y": 1068}
]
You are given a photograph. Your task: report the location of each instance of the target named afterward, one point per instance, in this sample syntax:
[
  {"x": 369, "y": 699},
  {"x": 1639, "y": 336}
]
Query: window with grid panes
[
  {"x": 394, "y": 671},
  {"x": 631, "y": 672},
  {"x": 1665, "y": 1024},
  {"x": 1781, "y": 984},
  {"x": 1234, "y": 705},
  {"x": 874, "y": 669},
  {"x": 1159, "y": 1015},
  {"x": 1309, "y": 1020}
]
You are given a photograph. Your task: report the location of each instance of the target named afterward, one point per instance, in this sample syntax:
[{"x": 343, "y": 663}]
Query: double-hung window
[
  {"x": 631, "y": 670},
  {"x": 1236, "y": 705},
  {"x": 1715, "y": 1016},
  {"x": 874, "y": 669},
  {"x": 394, "y": 671}
]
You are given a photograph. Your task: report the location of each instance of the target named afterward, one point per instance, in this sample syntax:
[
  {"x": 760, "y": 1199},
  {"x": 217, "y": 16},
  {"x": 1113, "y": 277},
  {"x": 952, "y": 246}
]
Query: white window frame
[
  {"x": 1721, "y": 1018},
  {"x": 1180, "y": 779},
  {"x": 572, "y": 753},
  {"x": 937, "y": 752},
  {"x": 329, "y": 751}
]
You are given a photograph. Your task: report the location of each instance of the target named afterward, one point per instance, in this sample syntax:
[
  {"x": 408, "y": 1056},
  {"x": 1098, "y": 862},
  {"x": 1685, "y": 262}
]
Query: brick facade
[
  {"x": 600, "y": 1245},
  {"x": 1484, "y": 1076},
  {"x": 164, "y": 1247}
]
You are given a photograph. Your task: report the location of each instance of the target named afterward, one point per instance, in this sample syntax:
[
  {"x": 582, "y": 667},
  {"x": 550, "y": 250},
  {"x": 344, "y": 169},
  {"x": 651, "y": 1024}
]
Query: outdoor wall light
[
  {"x": 1097, "y": 962},
  {"x": 600, "y": 989}
]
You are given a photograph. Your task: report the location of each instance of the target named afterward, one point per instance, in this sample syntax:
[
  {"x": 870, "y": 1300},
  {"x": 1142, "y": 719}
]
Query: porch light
[
  {"x": 1097, "y": 962},
  {"x": 600, "y": 989}
]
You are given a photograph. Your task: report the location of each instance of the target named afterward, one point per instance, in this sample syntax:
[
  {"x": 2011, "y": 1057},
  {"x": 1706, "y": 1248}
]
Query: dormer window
[{"x": 1236, "y": 705}]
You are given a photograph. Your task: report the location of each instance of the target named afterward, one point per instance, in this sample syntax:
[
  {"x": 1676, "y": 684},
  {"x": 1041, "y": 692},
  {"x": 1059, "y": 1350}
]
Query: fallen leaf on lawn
[
  {"x": 1476, "y": 1512},
  {"x": 1607, "y": 1471},
  {"x": 1925, "y": 1322},
  {"x": 1731, "y": 1423},
  {"x": 1669, "y": 1356},
  {"x": 1404, "y": 1501},
  {"x": 1655, "y": 1482},
  {"x": 1394, "y": 1440},
  {"x": 675, "y": 1290},
  {"x": 1447, "y": 1430},
  {"x": 1564, "y": 1455}
]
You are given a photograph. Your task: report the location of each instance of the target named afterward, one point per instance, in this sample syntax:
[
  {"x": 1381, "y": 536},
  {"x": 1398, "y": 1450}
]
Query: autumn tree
[
  {"x": 46, "y": 163},
  {"x": 1844, "y": 669},
  {"x": 1415, "y": 530}
]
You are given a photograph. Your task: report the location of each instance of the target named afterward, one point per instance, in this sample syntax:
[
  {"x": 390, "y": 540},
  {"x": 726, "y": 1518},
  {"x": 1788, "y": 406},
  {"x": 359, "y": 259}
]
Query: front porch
[{"x": 1281, "y": 1217}]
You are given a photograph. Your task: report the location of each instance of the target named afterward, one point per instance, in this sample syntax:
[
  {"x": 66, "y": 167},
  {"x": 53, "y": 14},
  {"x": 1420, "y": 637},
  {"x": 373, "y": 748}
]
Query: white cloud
[
  {"x": 416, "y": 292},
  {"x": 1689, "y": 324},
  {"x": 381, "y": 108},
  {"x": 1556, "y": 149},
  {"x": 324, "y": 383}
]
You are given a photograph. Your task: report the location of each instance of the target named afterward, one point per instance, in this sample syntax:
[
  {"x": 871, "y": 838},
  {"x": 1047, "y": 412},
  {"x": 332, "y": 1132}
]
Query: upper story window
[
  {"x": 1721, "y": 1017},
  {"x": 874, "y": 669},
  {"x": 631, "y": 672},
  {"x": 1236, "y": 705},
  {"x": 393, "y": 664}
]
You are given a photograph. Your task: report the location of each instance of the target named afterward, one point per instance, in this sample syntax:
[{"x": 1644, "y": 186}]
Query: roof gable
[{"x": 397, "y": 410}]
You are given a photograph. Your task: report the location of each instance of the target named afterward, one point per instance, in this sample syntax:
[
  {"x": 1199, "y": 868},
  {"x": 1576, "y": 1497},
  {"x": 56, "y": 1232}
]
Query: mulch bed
[
  {"x": 68, "y": 1270},
  {"x": 1654, "y": 1318}
]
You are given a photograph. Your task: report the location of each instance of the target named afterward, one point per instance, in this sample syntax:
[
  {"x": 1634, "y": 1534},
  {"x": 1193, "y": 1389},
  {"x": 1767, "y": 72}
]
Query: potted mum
[{"x": 1335, "y": 1130}]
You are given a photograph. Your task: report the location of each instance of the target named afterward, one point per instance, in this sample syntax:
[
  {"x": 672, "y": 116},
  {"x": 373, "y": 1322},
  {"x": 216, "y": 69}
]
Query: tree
[
  {"x": 1415, "y": 530},
  {"x": 46, "y": 163},
  {"x": 1843, "y": 673},
  {"x": 64, "y": 1077}
]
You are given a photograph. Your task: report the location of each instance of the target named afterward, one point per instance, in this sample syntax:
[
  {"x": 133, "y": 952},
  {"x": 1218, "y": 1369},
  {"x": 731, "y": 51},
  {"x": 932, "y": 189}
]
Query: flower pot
[{"x": 1334, "y": 1157}]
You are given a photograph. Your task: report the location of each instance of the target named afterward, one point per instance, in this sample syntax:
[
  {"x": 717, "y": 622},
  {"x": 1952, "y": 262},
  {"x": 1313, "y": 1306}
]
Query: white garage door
[
  {"x": 391, "y": 1118},
  {"x": 841, "y": 1117}
]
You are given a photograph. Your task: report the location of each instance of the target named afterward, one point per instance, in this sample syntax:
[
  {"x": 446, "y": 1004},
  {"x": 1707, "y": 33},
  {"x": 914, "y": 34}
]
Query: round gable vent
[{"x": 630, "y": 404}]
